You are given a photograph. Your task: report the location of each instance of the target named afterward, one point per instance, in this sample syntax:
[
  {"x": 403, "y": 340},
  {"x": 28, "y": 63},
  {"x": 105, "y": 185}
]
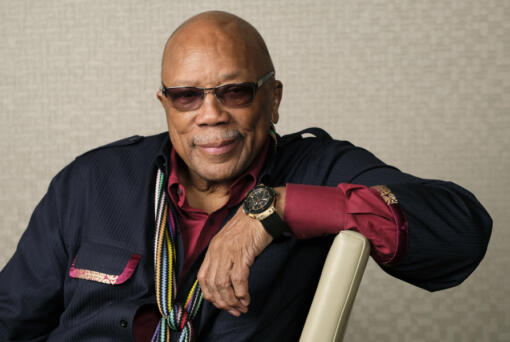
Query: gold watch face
[{"x": 258, "y": 200}]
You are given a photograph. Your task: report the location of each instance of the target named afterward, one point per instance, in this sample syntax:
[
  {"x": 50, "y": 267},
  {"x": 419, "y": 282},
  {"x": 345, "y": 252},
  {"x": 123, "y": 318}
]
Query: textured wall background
[{"x": 423, "y": 84}]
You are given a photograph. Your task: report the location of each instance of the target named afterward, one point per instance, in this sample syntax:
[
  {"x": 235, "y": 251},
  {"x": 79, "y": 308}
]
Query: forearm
[
  {"x": 449, "y": 231},
  {"x": 312, "y": 211},
  {"x": 433, "y": 238}
]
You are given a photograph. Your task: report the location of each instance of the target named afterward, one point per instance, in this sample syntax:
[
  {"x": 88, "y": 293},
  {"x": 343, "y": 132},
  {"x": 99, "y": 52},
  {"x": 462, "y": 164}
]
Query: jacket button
[{"x": 123, "y": 323}]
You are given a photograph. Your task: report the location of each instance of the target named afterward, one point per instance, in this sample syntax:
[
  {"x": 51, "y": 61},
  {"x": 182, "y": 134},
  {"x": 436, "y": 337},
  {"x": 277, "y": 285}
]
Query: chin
[{"x": 217, "y": 173}]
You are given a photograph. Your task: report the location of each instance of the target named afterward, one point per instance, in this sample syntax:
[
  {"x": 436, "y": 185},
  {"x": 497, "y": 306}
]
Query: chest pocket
[{"x": 104, "y": 263}]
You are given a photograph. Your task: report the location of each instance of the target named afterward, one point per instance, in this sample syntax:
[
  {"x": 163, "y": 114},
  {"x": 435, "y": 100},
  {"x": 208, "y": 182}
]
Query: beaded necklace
[{"x": 174, "y": 315}]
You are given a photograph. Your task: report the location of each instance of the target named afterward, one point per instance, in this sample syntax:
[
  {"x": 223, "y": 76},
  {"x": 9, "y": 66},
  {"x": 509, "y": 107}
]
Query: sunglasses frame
[{"x": 255, "y": 86}]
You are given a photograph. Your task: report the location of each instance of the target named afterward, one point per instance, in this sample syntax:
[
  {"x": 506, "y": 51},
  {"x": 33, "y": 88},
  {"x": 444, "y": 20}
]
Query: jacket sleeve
[
  {"x": 448, "y": 228},
  {"x": 448, "y": 234},
  {"x": 31, "y": 283}
]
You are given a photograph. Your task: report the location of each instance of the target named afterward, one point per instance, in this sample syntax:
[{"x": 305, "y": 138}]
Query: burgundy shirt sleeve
[{"x": 312, "y": 211}]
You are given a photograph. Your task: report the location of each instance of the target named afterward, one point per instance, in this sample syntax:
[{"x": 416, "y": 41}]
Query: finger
[
  {"x": 234, "y": 312},
  {"x": 205, "y": 277},
  {"x": 240, "y": 274},
  {"x": 225, "y": 290},
  {"x": 217, "y": 280},
  {"x": 203, "y": 280},
  {"x": 213, "y": 294}
]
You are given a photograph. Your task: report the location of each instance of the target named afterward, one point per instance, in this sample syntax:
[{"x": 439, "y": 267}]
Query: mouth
[{"x": 218, "y": 147}]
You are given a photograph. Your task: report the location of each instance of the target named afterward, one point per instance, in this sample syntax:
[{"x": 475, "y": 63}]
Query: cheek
[
  {"x": 177, "y": 130},
  {"x": 177, "y": 123},
  {"x": 259, "y": 120}
]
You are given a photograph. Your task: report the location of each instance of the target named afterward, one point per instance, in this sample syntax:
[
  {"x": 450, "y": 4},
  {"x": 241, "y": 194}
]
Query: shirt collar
[{"x": 238, "y": 189}]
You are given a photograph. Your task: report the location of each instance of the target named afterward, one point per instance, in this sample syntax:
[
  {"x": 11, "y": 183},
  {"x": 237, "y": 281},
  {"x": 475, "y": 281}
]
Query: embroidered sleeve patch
[
  {"x": 110, "y": 279},
  {"x": 386, "y": 194}
]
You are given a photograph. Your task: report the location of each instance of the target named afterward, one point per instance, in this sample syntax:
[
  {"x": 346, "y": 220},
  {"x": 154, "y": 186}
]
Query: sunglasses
[{"x": 233, "y": 95}]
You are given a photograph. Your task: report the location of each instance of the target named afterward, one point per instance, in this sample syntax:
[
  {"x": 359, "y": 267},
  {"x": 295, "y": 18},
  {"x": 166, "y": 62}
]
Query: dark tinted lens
[
  {"x": 188, "y": 98},
  {"x": 235, "y": 95}
]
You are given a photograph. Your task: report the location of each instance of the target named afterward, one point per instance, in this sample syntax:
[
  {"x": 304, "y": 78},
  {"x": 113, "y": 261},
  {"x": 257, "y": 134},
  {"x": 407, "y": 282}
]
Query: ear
[
  {"x": 277, "y": 98},
  {"x": 161, "y": 97},
  {"x": 163, "y": 100}
]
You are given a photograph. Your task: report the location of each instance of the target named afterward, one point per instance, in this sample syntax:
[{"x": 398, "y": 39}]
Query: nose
[{"x": 211, "y": 112}]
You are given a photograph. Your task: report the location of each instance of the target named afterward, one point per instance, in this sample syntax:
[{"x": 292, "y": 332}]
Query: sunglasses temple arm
[{"x": 264, "y": 79}]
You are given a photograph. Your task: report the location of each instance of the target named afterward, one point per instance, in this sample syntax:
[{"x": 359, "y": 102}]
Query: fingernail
[{"x": 234, "y": 313}]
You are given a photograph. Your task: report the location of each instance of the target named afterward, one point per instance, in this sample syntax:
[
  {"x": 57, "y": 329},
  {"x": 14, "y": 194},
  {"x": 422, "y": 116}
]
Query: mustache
[{"x": 229, "y": 134}]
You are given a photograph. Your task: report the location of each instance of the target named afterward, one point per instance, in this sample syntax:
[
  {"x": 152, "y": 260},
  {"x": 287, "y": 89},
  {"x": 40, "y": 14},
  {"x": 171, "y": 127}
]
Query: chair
[{"x": 338, "y": 285}]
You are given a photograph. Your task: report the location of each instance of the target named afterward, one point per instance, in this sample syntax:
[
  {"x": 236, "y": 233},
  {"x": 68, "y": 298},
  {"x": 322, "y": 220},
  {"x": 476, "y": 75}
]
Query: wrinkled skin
[{"x": 223, "y": 275}]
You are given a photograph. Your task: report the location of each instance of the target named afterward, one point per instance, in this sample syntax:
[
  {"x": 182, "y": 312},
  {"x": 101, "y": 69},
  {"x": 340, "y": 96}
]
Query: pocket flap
[{"x": 104, "y": 263}]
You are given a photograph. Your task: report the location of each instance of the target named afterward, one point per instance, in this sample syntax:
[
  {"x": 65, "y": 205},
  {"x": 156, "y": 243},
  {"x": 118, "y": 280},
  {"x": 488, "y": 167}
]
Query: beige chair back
[{"x": 338, "y": 285}]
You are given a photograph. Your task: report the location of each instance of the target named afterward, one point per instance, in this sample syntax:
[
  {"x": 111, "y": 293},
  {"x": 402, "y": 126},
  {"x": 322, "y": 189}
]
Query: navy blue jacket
[{"x": 99, "y": 210}]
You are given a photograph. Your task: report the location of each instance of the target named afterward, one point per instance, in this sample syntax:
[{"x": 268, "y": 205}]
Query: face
[{"x": 217, "y": 143}]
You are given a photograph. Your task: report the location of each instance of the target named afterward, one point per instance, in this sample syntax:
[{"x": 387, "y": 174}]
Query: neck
[{"x": 203, "y": 194}]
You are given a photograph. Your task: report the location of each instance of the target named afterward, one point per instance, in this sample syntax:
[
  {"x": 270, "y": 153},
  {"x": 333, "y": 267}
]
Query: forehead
[{"x": 208, "y": 54}]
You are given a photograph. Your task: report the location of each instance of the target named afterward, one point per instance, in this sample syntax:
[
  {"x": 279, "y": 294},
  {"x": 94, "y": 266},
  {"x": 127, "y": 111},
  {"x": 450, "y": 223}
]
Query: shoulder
[
  {"x": 313, "y": 154},
  {"x": 132, "y": 140},
  {"x": 312, "y": 143},
  {"x": 132, "y": 155},
  {"x": 130, "y": 144},
  {"x": 134, "y": 149},
  {"x": 318, "y": 134}
]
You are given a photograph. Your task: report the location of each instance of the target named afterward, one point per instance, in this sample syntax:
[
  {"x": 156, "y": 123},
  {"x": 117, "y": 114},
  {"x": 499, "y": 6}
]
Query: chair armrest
[{"x": 337, "y": 288}]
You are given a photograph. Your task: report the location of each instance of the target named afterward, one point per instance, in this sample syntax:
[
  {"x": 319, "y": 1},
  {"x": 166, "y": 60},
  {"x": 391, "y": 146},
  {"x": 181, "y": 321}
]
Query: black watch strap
[{"x": 274, "y": 225}]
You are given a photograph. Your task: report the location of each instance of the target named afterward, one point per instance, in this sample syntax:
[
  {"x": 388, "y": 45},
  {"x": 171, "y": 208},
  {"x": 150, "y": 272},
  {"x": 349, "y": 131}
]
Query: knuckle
[
  {"x": 230, "y": 304},
  {"x": 223, "y": 283},
  {"x": 238, "y": 279},
  {"x": 220, "y": 305},
  {"x": 213, "y": 241},
  {"x": 209, "y": 285},
  {"x": 201, "y": 277}
]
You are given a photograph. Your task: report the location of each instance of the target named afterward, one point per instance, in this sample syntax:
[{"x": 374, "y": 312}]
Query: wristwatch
[{"x": 260, "y": 204}]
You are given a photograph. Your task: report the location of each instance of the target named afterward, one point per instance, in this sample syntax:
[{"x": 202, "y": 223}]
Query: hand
[{"x": 223, "y": 275}]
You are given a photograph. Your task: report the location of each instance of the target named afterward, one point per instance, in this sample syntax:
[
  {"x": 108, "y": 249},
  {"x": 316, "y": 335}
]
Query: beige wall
[{"x": 422, "y": 84}]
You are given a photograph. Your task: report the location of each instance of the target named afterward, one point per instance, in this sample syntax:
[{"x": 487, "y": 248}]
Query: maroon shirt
[{"x": 310, "y": 211}]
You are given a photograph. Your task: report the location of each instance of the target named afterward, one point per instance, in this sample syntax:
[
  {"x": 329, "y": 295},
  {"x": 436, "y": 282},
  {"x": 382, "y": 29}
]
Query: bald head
[
  {"x": 217, "y": 140},
  {"x": 224, "y": 30}
]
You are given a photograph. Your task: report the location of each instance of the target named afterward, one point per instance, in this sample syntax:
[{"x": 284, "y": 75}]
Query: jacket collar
[{"x": 162, "y": 159}]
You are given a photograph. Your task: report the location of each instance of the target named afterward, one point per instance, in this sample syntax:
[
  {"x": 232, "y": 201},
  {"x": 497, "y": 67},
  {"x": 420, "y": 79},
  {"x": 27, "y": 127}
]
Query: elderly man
[{"x": 217, "y": 230}]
